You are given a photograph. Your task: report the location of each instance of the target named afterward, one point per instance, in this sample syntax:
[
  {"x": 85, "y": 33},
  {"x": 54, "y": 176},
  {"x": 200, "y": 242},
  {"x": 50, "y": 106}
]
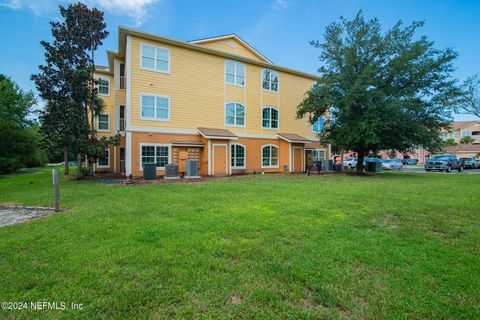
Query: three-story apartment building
[{"x": 216, "y": 100}]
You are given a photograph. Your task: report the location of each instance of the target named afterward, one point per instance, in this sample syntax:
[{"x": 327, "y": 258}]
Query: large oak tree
[{"x": 380, "y": 90}]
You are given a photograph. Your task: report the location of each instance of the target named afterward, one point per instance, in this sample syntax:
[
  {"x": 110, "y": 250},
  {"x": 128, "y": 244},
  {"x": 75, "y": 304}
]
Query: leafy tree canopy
[
  {"x": 380, "y": 90},
  {"x": 470, "y": 99}
]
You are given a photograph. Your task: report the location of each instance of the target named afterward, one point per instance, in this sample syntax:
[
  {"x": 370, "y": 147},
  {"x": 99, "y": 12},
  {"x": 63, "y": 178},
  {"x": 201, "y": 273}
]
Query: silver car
[
  {"x": 350, "y": 163},
  {"x": 392, "y": 164}
]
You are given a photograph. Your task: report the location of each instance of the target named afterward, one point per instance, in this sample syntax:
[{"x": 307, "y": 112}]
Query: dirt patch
[{"x": 10, "y": 215}]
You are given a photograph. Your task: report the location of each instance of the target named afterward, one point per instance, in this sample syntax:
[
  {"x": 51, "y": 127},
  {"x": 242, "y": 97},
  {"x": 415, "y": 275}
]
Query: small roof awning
[
  {"x": 292, "y": 137},
  {"x": 212, "y": 133},
  {"x": 183, "y": 143}
]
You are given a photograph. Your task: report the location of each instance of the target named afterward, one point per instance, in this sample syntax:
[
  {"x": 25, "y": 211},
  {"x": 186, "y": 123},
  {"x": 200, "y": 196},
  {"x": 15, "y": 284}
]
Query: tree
[
  {"x": 17, "y": 129},
  {"x": 467, "y": 140},
  {"x": 470, "y": 100},
  {"x": 68, "y": 84},
  {"x": 380, "y": 90}
]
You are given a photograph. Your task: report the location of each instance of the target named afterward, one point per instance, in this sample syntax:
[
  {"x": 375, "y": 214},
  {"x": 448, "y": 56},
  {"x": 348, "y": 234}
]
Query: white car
[
  {"x": 350, "y": 163},
  {"x": 392, "y": 164}
]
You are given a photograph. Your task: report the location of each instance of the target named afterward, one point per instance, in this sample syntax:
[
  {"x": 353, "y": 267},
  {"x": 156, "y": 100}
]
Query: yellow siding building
[{"x": 214, "y": 100}]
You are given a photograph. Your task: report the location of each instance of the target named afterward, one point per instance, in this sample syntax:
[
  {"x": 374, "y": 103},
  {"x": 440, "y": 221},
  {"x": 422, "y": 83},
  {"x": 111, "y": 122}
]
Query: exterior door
[
  {"x": 219, "y": 160},
  {"x": 297, "y": 159},
  {"x": 122, "y": 161}
]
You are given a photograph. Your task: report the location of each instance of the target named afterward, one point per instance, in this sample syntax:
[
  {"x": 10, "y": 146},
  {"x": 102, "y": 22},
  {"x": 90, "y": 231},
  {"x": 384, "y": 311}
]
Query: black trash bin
[
  {"x": 337, "y": 167},
  {"x": 149, "y": 171}
]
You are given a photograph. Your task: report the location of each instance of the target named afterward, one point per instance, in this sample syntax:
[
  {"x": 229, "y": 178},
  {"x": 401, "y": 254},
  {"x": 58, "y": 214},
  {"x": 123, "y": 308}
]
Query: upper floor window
[
  {"x": 122, "y": 76},
  {"x": 318, "y": 125},
  {"x": 234, "y": 114},
  {"x": 234, "y": 72},
  {"x": 103, "y": 122},
  {"x": 270, "y": 80},
  {"x": 466, "y": 133},
  {"x": 155, "y": 107},
  {"x": 122, "y": 118},
  {"x": 270, "y": 156},
  {"x": 158, "y": 154},
  {"x": 237, "y": 156},
  {"x": 104, "y": 86},
  {"x": 155, "y": 58},
  {"x": 270, "y": 118},
  {"x": 454, "y": 135}
]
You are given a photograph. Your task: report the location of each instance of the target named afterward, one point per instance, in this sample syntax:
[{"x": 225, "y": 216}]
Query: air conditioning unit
[
  {"x": 192, "y": 169},
  {"x": 171, "y": 171}
]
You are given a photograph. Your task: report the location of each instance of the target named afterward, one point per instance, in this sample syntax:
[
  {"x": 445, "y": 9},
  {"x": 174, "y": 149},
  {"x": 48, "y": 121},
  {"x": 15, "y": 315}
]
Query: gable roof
[
  {"x": 293, "y": 137},
  {"x": 123, "y": 32},
  {"x": 214, "y": 133},
  {"x": 234, "y": 37},
  {"x": 462, "y": 124}
]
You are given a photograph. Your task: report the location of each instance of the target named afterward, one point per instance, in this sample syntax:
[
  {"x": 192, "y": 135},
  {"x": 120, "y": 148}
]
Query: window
[
  {"x": 234, "y": 72},
  {"x": 318, "y": 125},
  {"x": 269, "y": 156},
  {"x": 234, "y": 114},
  {"x": 103, "y": 86},
  {"x": 466, "y": 133},
  {"x": 269, "y": 118},
  {"x": 237, "y": 153},
  {"x": 318, "y": 154},
  {"x": 103, "y": 122},
  {"x": 104, "y": 162},
  {"x": 122, "y": 118},
  {"x": 155, "y": 107},
  {"x": 270, "y": 80},
  {"x": 155, "y": 58},
  {"x": 122, "y": 76},
  {"x": 158, "y": 154},
  {"x": 454, "y": 135}
]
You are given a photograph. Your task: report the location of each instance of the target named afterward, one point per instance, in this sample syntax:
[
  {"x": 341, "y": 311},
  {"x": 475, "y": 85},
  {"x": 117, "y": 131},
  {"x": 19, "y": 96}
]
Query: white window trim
[
  {"x": 98, "y": 122},
  {"x": 278, "y": 120},
  {"x": 108, "y": 161},
  {"x": 154, "y": 145},
  {"x": 278, "y": 156},
  {"x": 318, "y": 149},
  {"x": 235, "y": 115},
  {"x": 155, "y": 108},
  {"x": 104, "y": 94},
  {"x": 261, "y": 81},
  {"x": 155, "y": 63},
  {"x": 313, "y": 125},
  {"x": 244, "y": 158},
  {"x": 235, "y": 74}
]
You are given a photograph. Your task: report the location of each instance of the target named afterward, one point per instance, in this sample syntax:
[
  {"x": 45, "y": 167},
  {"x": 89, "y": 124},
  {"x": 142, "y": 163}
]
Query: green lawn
[{"x": 393, "y": 246}]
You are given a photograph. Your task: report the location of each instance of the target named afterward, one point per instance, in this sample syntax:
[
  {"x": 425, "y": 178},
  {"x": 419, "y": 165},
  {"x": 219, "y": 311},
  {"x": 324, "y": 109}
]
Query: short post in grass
[{"x": 57, "y": 189}]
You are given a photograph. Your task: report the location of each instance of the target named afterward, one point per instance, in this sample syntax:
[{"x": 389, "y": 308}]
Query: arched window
[
  {"x": 234, "y": 114},
  {"x": 269, "y": 156},
  {"x": 237, "y": 156},
  {"x": 318, "y": 125},
  {"x": 269, "y": 118}
]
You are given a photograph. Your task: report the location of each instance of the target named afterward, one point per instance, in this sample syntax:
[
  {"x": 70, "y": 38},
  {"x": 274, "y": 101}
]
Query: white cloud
[
  {"x": 280, "y": 4},
  {"x": 135, "y": 9}
]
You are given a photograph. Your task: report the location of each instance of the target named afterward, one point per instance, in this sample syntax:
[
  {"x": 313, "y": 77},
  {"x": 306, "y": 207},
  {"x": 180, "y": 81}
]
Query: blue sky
[{"x": 279, "y": 29}]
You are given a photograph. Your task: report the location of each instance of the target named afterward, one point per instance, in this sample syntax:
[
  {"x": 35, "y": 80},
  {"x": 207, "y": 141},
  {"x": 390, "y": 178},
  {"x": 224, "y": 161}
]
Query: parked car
[
  {"x": 392, "y": 164},
  {"x": 371, "y": 160},
  {"x": 409, "y": 161},
  {"x": 446, "y": 163},
  {"x": 350, "y": 163},
  {"x": 470, "y": 163}
]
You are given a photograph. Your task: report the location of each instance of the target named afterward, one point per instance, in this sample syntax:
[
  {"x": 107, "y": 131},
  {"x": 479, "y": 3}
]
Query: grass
[{"x": 393, "y": 246}]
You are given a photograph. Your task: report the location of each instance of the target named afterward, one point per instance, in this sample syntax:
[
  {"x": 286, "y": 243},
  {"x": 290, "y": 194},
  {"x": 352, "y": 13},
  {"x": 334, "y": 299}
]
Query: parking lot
[{"x": 422, "y": 170}]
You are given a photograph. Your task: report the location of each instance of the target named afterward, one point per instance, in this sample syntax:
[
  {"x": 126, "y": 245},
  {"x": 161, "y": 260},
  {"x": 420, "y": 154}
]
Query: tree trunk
[
  {"x": 90, "y": 166},
  {"x": 342, "y": 155},
  {"x": 79, "y": 165},
  {"x": 65, "y": 160},
  {"x": 360, "y": 157}
]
